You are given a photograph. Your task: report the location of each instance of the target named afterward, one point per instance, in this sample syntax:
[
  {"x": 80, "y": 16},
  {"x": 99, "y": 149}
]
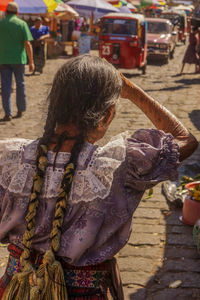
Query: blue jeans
[{"x": 6, "y": 86}]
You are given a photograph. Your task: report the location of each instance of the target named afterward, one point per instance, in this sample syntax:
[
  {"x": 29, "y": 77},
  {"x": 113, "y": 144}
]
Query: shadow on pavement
[
  {"x": 195, "y": 118},
  {"x": 180, "y": 259},
  {"x": 189, "y": 81},
  {"x": 180, "y": 262},
  {"x": 130, "y": 75},
  {"x": 172, "y": 88},
  {"x": 156, "y": 62},
  {"x": 181, "y": 84}
]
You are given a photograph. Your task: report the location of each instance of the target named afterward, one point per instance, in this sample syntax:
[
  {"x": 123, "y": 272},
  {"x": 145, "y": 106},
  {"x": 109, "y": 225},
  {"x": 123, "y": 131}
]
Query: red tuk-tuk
[{"x": 122, "y": 40}]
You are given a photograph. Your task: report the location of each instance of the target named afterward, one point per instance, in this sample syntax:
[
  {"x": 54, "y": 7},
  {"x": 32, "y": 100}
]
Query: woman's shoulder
[
  {"x": 113, "y": 152},
  {"x": 119, "y": 145},
  {"x": 116, "y": 147}
]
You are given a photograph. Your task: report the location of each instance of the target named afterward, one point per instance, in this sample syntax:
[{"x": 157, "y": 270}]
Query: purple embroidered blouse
[{"x": 107, "y": 188}]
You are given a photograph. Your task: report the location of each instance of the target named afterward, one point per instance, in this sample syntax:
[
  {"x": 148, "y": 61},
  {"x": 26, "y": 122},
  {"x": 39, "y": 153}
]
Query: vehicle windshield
[
  {"x": 119, "y": 26},
  {"x": 175, "y": 19},
  {"x": 157, "y": 27}
]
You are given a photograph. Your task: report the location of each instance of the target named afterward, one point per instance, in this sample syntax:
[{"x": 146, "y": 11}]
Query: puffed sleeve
[{"x": 152, "y": 157}]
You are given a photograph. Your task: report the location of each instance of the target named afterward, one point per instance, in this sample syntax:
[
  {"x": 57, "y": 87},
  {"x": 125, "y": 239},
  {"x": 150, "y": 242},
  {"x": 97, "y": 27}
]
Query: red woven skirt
[{"x": 83, "y": 283}]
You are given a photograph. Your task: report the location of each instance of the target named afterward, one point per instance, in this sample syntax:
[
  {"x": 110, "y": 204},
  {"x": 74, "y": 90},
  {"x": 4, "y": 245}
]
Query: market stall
[{"x": 55, "y": 14}]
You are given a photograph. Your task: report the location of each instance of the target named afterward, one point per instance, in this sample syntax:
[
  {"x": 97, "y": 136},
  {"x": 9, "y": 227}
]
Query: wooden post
[{"x": 92, "y": 21}]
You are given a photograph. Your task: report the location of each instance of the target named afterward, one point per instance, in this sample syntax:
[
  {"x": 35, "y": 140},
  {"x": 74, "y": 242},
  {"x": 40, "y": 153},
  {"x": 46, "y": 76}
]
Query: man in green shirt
[{"x": 15, "y": 40}]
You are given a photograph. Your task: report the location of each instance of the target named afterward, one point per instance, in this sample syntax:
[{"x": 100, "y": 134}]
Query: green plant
[{"x": 185, "y": 180}]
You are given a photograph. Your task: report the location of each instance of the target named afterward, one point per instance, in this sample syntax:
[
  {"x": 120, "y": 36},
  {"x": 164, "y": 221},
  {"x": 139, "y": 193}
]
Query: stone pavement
[
  {"x": 160, "y": 249},
  {"x": 159, "y": 252}
]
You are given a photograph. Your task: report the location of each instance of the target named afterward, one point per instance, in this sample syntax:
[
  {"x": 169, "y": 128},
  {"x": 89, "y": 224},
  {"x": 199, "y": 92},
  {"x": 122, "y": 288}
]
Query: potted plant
[{"x": 191, "y": 206}]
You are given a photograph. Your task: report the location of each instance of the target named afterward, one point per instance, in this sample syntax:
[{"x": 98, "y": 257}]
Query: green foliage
[
  {"x": 185, "y": 180},
  {"x": 149, "y": 195}
]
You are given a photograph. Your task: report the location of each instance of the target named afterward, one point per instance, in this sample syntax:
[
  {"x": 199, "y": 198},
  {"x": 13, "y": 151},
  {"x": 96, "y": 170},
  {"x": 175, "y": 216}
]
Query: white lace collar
[{"x": 93, "y": 178}]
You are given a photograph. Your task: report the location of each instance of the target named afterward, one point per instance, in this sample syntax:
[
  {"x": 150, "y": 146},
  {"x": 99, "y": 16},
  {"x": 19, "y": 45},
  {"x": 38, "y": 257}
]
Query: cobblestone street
[{"x": 160, "y": 249}]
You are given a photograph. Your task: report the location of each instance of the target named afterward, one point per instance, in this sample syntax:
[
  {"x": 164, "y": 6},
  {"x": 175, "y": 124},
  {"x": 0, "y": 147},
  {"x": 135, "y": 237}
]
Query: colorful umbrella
[
  {"x": 87, "y": 7},
  {"x": 113, "y": 2},
  {"x": 51, "y": 4},
  {"x": 64, "y": 11},
  {"x": 125, "y": 10},
  {"x": 117, "y": 3},
  {"x": 36, "y": 6},
  {"x": 145, "y": 3},
  {"x": 134, "y": 2},
  {"x": 63, "y": 7},
  {"x": 131, "y": 7}
]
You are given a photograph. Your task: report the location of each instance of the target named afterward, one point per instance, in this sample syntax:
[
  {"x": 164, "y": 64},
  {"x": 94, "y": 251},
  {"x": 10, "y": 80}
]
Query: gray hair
[{"x": 83, "y": 90}]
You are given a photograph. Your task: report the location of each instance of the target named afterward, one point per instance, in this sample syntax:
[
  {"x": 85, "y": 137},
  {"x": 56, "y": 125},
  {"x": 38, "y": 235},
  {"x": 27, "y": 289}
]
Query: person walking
[
  {"x": 191, "y": 54},
  {"x": 40, "y": 33},
  {"x": 66, "y": 204},
  {"x": 15, "y": 40}
]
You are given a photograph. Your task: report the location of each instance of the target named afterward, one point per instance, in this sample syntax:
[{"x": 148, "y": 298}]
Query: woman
[
  {"x": 67, "y": 204},
  {"x": 191, "y": 55},
  {"x": 40, "y": 33}
]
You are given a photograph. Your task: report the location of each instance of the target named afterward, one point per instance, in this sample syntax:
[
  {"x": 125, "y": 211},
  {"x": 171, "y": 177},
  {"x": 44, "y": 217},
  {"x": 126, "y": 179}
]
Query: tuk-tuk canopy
[
  {"x": 138, "y": 17},
  {"x": 122, "y": 24},
  {"x": 177, "y": 17}
]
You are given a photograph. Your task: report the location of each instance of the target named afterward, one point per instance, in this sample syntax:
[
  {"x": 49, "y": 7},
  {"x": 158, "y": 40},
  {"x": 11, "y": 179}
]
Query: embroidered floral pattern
[
  {"x": 13, "y": 266},
  {"x": 85, "y": 278}
]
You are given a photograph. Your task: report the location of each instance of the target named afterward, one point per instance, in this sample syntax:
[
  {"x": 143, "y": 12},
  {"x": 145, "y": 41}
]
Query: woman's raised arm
[{"x": 162, "y": 118}]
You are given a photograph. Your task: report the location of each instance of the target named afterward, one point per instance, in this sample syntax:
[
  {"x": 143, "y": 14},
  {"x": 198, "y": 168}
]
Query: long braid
[
  {"x": 38, "y": 285},
  {"x": 41, "y": 163},
  {"x": 61, "y": 203}
]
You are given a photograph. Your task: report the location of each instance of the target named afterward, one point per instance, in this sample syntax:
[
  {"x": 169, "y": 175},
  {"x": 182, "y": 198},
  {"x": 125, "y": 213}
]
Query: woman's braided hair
[{"x": 83, "y": 90}]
